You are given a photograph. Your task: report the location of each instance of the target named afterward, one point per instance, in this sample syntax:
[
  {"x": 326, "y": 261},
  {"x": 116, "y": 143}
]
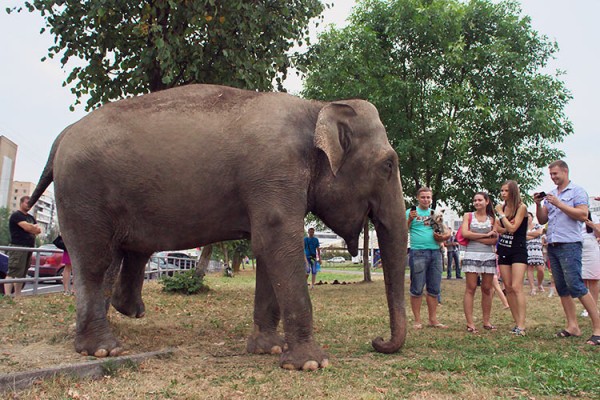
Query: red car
[{"x": 50, "y": 263}]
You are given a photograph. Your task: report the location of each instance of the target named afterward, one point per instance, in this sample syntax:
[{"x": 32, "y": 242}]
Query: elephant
[{"x": 201, "y": 164}]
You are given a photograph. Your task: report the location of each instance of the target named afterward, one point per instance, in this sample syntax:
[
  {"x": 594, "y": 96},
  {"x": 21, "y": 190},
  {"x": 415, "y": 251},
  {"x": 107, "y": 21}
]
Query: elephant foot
[
  {"x": 265, "y": 343},
  {"x": 305, "y": 356},
  {"x": 133, "y": 308},
  {"x": 101, "y": 344}
]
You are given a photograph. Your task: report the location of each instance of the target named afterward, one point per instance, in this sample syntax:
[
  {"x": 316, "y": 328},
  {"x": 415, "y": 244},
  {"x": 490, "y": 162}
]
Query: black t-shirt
[{"x": 18, "y": 236}]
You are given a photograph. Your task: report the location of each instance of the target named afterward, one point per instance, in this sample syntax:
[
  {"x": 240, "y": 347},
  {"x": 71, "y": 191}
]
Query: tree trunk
[
  {"x": 366, "y": 264},
  {"x": 202, "y": 265},
  {"x": 225, "y": 254},
  {"x": 237, "y": 261}
]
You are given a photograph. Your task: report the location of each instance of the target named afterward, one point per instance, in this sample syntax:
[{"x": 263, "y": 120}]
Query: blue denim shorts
[
  {"x": 565, "y": 262},
  {"x": 425, "y": 270},
  {"x": 311, "y": 268}
]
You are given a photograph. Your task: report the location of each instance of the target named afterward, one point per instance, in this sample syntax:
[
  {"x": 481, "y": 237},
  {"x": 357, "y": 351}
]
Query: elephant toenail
[
  {"x": 101, "y": 353},
  {"x": 310, "y": 366}
]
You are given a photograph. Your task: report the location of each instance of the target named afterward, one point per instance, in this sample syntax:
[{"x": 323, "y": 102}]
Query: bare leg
[
  {"x": 66, "y": 278},
  {"x": 540, "y": 277},
  {"x": 590, "y": 305},
  {"x": 594, "y": 288},
  {"x": 570, "y": 312},
  {"x": 518, "y": 272},
  {"x": 432, "y": 304},
  {"x": 499, "y": 292},
  {"x": 513, "y": 281},
  {"x": 487, "y": 291},
  {"x": 8, "y": 288},
  {"x": 469, "y": 298},
  {"x": 530, "y": 279},
  {"x": 415, "y": 305}
]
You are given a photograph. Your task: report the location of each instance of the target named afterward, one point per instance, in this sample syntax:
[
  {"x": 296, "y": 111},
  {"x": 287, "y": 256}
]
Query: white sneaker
[
  {"x": 551, "y": 293},
  {"x": 584, "y": 313}
]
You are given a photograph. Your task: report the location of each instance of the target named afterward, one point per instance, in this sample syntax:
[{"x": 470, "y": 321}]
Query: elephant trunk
[{"x": 392, "y": 235}]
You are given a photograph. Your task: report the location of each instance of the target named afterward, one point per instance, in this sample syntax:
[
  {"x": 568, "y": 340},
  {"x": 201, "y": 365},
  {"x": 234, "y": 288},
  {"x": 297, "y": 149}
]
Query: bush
[{"x": 186, "y": 283}]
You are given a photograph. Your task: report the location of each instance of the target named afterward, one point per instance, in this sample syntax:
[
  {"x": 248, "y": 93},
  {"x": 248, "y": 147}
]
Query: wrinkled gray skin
[{"x": 200, "y": 164}]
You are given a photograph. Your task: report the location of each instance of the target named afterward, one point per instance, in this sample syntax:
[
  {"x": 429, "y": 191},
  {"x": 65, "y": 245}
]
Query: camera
[
  {"x": 413, "y": 208},
  {"x": 541, "y": 195}
]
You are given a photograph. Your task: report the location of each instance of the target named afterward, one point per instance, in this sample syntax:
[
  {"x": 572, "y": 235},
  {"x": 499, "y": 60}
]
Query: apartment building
[
  {"x": 44, "y": 210},
  {"x": 8, "y": 155}
]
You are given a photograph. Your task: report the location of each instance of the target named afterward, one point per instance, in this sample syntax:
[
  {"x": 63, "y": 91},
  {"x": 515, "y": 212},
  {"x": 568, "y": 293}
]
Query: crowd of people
[{"x": 504, "y": 242}]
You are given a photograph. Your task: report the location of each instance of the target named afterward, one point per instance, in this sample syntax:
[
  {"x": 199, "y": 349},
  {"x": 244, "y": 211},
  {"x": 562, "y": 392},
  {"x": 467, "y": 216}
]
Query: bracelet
[{"x": 501, "y": 216}]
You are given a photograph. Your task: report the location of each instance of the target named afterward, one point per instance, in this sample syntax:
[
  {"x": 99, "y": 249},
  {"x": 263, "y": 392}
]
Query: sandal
[
  {"x": 490, "y": 327},
  {"x": 564, "y": 334},
  {"x": 439, "y": 325},
  {"x": 518, "y": 331},
  {"x": 418, "y": 326},
  {"x": 594, "y": 339},
  {"x": 472, "y": 330}
]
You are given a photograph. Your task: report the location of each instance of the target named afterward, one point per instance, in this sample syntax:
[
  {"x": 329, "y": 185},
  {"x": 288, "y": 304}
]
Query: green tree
[
  {"x": 127, "y": 48},
  {"x": 4, "y": 230},
  {"x": 459, "y": 85}
]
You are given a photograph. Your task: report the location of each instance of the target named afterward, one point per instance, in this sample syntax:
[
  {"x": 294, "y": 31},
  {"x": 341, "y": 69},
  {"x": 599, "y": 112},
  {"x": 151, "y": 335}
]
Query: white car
[{"x": 337, "y": 260}]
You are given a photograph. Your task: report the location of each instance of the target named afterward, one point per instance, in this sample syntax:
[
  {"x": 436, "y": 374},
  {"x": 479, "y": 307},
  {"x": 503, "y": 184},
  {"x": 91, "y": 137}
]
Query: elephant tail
[{"x": 48, "y": 174}]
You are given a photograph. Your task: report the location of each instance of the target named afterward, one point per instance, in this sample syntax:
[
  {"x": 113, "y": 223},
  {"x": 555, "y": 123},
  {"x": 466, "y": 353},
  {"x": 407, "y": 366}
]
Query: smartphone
[
  {"x": 413, "y": 208},
  {"x": 541, "y": 195}
]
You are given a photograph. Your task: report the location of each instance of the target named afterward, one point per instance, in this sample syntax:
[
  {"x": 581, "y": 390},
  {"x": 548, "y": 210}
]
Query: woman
[
  {"x": 479, "y": 258},
  {"x": 535, "y": 255},
  {"x": 511, "y": 224},
  {"x": 590, "y": 257}
]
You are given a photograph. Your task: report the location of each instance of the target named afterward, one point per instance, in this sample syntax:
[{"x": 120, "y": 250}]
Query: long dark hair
[
  {"x": 489, "y": 209},
  {"x": 514, "y": 198}
]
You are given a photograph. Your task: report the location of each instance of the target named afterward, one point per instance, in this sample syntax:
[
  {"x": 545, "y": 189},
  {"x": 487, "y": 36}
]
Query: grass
[{"x": 209, "y": 331}]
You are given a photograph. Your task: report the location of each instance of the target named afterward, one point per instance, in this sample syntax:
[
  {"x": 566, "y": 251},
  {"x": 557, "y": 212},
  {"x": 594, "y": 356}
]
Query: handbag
[
  {"x": 459, "y": 237},
  {"x": 58, "y": 242}
]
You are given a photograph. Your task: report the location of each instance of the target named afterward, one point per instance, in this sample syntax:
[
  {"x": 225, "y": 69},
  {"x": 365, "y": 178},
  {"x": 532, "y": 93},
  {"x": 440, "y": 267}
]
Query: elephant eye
[{"x": 389, "y": 164}]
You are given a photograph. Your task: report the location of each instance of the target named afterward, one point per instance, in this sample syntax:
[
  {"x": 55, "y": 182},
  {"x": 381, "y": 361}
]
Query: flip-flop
[
  {"x": 490, "y": 327},
  {"x": 472, "y": 330},
  {"x": 595, "y": 339},
  {"x": 564, "y": 334},
  {"x": 418, "y": 326}
]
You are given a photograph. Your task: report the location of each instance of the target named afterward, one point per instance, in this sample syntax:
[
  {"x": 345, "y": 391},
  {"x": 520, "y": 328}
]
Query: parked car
[
  {"x": 177, "y": 259},
  {"x": 50, "y": 262},
  {"x": 337, "y": 260}
]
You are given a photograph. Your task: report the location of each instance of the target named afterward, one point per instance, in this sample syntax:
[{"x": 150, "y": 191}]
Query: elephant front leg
[
  {"x": 264, "y": 338},
  {"x": 287, "y": 276}
]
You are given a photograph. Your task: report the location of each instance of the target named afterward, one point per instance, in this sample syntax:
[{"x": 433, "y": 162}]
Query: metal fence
[
  {"x": 36, "y": 279},
  {"x": 156, "y": 267}
]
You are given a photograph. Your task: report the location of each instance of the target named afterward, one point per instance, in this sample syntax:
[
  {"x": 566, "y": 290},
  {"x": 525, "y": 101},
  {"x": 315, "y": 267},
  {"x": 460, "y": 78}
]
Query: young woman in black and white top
[{"x": 511, "y": 224}]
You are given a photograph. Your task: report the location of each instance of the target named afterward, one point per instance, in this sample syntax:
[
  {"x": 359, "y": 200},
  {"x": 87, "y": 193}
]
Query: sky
[{"x": 34, "y": 107}]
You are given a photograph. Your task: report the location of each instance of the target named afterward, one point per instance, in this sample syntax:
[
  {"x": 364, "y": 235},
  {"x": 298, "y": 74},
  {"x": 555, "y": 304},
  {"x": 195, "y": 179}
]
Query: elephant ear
[{"x": 333, "y": 132}]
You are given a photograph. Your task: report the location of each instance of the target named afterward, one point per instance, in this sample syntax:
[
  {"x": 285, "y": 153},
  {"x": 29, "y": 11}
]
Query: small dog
[{"x": 436, "y": 220}]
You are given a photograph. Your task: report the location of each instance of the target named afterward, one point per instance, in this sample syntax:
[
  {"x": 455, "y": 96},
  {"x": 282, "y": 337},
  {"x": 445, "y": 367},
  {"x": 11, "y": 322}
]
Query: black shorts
[{"x": 512, "y": 255}]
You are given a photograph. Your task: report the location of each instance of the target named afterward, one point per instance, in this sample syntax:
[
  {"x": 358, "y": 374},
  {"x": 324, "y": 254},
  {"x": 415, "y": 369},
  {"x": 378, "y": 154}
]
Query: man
[
  {"x": 312, "y": 250},
  {"x": 452, "y": 250},
  {"x": 23, "y": 229},
  {"x": 425, "y": 259},
  {"x": 564, "y": 209}
]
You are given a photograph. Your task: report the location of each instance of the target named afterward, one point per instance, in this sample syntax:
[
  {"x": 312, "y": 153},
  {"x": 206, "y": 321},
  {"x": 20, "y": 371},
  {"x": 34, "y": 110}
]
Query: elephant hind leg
[
  {"x": 264, "y": 338},
  {"x": 127, "y": 291},
  {"x": 93, "y": 281}
]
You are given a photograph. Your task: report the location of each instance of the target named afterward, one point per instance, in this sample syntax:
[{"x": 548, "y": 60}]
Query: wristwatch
[{"x": 501, "y": 216}]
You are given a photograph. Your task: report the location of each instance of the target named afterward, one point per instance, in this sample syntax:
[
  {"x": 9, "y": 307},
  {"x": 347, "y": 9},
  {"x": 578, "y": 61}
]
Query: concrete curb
[{"x": 92, "y": 369}]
